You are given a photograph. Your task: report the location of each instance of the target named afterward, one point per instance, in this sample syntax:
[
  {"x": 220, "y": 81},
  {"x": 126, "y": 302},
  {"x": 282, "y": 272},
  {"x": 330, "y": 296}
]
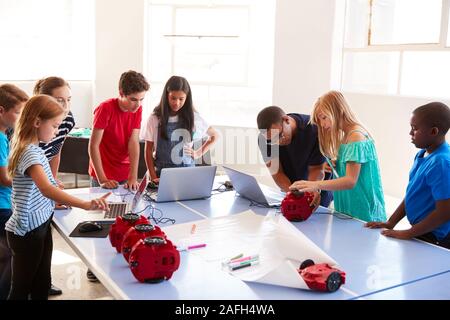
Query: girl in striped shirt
[
  {"x": 59, "y": 89},
  {"x": 34, "y": 193}
]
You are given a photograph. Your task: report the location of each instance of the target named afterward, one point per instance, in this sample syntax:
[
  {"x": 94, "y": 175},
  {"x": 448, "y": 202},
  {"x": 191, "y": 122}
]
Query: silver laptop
[
  {"x": 184, "y": 183},
  {"x": 120, "y": 208},
  {"x": 247, "y": 186}
]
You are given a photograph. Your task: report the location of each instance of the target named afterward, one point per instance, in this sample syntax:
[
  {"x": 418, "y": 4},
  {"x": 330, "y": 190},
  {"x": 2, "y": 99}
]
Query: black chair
[{"x": 75, "y": 157}]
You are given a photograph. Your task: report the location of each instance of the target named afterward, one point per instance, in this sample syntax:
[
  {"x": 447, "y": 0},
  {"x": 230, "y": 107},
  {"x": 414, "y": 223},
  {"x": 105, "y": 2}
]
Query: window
[
  {"x": 223, "y": 48},
  {"x": 397, "y": 47},
  {"x": 405, "y": 21},
  {"x": 47, "y": 37},
  {"x": 448, "y": 27}
]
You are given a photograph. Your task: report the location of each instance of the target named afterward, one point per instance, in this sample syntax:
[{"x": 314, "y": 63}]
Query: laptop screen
[
  {"x": 248, "y": 187},
  {"x": 139, "y": 192},
  {"x": 185, "y": 183}
]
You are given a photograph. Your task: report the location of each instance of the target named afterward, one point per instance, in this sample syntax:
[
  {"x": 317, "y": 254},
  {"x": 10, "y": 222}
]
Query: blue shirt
[
  {"x": 5, "y": 192},
  {"x": 429, "y": 181},
  {"x": 30, "y": 208},
  {"x": 365, "y": 200}
]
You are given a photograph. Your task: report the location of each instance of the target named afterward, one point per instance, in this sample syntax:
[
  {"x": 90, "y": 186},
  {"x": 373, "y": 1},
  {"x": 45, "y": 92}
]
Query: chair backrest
[{"x": 75, "y": 156}]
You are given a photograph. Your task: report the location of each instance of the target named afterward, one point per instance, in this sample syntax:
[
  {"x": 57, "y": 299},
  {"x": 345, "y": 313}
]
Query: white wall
[
  {"x": 303, "y": 52},
  {"x": 119, "y": 43},
  {"x": 387, "y": 117},
  {"x": 82, "y": 99}
]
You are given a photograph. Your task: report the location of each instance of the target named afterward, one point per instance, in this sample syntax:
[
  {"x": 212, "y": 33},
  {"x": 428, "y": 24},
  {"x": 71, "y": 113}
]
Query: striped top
[
  {"x": 30, "y": 208},
  {"x": 52, "y": 148}
]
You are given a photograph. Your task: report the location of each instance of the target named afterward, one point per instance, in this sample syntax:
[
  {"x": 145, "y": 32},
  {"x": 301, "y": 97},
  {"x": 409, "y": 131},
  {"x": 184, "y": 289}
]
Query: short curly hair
[
  {"x": 269, "y": 116},
  {"x": 132, "y": 82},
  {"x": 435, "y": 114}
]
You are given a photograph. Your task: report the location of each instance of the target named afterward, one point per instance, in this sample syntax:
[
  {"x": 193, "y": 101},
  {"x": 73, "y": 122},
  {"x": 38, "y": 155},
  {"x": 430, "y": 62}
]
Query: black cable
[
  {"x": 158, "y": 219},
  {"x": 219, "y": 189},
  {"x": 338, "y": 215},
  {"x": 143, "y": 210},
  {"x": 147, "y": 196},
  {"x": 259, "y": 205},
  {"x": 123, "y": 195}
]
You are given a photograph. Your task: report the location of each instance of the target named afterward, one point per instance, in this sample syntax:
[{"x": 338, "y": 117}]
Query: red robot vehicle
[{"x": 321, "y": 277}]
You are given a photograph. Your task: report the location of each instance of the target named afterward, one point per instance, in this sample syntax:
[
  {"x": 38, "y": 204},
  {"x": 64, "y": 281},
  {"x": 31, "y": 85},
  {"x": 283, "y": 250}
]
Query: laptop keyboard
[
  {"x": 273, "y": 200},
  {"x": 116, "y": 209},
  {"x": 271, "y": 196}
]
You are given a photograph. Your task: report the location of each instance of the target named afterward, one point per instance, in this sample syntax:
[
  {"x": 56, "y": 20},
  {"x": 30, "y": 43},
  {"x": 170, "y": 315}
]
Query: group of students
[
  {"x": 296, "y": 148},
  {"x": 29, "y": 187},
  {"x": 32, "y": 132},
  {"x": 333, "y": 151}
]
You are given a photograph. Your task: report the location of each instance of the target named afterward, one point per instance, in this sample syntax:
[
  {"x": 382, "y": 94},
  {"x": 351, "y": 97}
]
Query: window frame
[
  {"x": 173, "y": 35},
  {"x": 252, "y": 89},
  {"x": 400, "y": 48}
]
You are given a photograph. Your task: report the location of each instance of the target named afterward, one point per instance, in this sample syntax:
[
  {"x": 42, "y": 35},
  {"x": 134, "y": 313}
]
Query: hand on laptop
[
  {"x": 109, "y": 184},
  {"x": 99, "y": 203},
  {"x": 131, "y": 184}
]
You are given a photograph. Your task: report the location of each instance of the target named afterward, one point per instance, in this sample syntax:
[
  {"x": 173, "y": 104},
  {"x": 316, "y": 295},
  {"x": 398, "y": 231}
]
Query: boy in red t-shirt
[{"x": 114, "y": 144}]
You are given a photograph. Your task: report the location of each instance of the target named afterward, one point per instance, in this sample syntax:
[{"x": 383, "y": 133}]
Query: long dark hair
[{"x": 185, "y": 114}]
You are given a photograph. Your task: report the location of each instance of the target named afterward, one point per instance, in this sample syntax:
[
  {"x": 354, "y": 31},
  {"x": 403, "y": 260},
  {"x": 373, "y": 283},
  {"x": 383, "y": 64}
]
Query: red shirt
[{"x": 118, "y": 126}]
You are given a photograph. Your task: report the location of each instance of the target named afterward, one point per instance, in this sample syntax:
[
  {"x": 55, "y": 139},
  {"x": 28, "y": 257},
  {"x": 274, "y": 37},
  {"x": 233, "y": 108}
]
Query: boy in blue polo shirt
[{"x": 427, "y": 200}]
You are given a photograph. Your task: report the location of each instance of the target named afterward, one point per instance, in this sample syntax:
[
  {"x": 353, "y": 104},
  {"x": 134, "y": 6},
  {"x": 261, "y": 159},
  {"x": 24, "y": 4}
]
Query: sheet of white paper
[{"x": 280, "y": 246}]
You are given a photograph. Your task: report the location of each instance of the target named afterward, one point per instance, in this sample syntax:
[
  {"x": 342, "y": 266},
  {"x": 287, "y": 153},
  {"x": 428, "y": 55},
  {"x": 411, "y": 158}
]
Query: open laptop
[
  {"x": 184, "y": 183},
  {"x": 247, "y": 186},
  {"x": 120, "y": 208}
]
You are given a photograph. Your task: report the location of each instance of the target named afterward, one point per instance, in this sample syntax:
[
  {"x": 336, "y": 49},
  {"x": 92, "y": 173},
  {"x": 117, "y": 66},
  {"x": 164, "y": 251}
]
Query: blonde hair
[
  {"x": 334, "y": 106},
  {"x": 40, "y": 107}
]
